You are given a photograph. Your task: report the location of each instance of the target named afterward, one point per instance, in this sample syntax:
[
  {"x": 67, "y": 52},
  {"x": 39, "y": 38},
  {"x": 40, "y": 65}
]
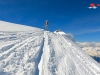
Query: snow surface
[
  {"x": 38, "y": 52},
  {"x": 5, "y": 26}
]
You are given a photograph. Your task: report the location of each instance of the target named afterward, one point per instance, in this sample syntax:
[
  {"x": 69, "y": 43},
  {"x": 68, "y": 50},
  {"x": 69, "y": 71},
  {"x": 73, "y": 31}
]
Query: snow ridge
[
  {"x": 65, "y": 58},
  {"x": 39, "y": 52}
]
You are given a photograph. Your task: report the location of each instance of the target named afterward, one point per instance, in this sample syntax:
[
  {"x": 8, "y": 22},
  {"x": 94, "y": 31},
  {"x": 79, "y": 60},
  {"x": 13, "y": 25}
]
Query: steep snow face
[{"x": 39, "y": 52}]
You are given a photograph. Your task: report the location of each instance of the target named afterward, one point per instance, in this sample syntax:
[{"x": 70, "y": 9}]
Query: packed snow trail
[{"x": 32, "y": 51}]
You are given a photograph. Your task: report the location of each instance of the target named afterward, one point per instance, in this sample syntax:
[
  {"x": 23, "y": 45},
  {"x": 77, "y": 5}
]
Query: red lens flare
[
  {"x": 98, "y": 4},
  {"x": 92, "y": 5}
]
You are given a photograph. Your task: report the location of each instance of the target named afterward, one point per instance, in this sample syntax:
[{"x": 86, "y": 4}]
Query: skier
[{"x": 46, "y": 25}]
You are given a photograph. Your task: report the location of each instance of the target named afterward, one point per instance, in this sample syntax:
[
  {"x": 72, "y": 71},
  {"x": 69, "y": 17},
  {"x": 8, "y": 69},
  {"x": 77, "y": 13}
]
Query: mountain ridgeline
[{"x": 32, "y": 51}]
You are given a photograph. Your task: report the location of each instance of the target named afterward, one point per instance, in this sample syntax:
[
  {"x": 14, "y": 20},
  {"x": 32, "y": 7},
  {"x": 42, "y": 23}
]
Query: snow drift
[{"x": 38, "y": 52}]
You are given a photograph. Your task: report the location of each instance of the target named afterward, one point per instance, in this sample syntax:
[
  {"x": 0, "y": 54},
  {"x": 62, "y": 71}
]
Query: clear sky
[{"x": 70, "y": 16}]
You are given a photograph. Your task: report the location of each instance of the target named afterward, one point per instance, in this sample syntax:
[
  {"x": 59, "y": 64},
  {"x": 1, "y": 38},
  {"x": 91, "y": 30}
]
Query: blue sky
[{"x": 70, "y": 16}]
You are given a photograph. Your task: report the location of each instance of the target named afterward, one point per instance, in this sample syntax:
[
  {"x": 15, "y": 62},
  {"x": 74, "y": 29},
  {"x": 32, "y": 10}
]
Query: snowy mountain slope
[
  {"x": 38, "y": 52},
  {"x": 61, "y": 56},
  {"x": 20, "y": 56}
]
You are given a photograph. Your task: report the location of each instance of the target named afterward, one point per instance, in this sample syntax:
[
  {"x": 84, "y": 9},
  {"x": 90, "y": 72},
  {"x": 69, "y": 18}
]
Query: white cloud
[
  {"x": 93, "y": 7},
  {"x": 92, "y": 30},
  {"x": 89, "y": 7},
  {"x": 88, "y": 31},
  {"x": 88, "y": 44}
]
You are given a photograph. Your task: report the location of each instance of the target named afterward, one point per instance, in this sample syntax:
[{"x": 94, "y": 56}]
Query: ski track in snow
[
  {"x": 21, "y": 56},
  {"x": 65, "y": 58},
  {"x": 43, "y": 53}
]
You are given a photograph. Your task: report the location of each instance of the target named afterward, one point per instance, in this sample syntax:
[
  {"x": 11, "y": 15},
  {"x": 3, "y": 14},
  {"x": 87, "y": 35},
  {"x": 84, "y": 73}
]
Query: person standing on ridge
[{"x": 46, "y": 25}]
